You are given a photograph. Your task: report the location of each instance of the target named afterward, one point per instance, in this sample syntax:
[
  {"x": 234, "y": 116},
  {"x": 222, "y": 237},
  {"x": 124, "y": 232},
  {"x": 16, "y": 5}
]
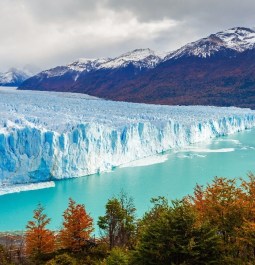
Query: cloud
[
  {"x": 48, "y": 33},
  {"x": 187, "y": 9}
]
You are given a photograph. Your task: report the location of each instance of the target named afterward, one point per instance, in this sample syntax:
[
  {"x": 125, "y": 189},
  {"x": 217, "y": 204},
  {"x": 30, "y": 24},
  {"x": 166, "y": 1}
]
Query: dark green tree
[
  {"x": 174, "y": 237},
  {"x": 118, "y": 223}
]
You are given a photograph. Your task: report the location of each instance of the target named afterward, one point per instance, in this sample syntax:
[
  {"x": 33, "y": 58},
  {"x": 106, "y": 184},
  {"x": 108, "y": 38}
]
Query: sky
[{"x": 46, "y": 33}]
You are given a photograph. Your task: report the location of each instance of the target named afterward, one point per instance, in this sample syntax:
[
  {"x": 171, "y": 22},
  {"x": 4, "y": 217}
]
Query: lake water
[{"x": 174, "y": 175}]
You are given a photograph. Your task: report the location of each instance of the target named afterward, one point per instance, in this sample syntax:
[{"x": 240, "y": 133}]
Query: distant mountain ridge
[
  {"x": 216, "y": 70},
  {"x": 15, "y": 77},
  {"x": 63, "y": 78}
]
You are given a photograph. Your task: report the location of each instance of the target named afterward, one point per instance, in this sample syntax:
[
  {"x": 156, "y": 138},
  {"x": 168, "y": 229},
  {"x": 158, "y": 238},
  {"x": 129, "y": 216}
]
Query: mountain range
[{"x": 216, "y": 70}]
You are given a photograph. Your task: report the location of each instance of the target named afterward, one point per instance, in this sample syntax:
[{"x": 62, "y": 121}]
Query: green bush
[
  {"x": 63, "y": 259},
  {"x": 117, "y": 257}
]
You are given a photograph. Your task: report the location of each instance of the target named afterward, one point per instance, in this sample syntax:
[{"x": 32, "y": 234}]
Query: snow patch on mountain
[
  {"x": 239, "y": 39},
  {"x": 87, "y": 65},
  {"x": 49, "y": 135},
  {"x": 140, "y": 58},
  {"x": 57, "y": 71},
  {"x": 74, "y": 68}
]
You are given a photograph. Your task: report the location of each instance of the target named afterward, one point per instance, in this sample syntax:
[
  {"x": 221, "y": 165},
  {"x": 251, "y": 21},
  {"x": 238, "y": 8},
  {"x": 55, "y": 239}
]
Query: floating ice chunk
[
  {"x": 25, "y": 187},
  {"x": 207, "y": 150},
  {"x": 191, "y": 156},
  {"x": 151, "y": 160}
]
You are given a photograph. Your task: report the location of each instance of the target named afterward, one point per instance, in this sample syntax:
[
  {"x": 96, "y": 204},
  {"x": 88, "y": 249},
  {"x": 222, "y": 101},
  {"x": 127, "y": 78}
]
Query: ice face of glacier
[{"x": 48, "y": 135}]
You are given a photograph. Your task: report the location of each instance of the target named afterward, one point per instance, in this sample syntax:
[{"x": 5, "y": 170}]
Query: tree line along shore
[{"x": 214, "y": 225}]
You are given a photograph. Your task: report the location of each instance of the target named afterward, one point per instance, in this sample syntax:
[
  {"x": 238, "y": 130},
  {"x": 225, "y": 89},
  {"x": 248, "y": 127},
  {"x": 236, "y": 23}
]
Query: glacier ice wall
[{"x": 47, "y": 135}]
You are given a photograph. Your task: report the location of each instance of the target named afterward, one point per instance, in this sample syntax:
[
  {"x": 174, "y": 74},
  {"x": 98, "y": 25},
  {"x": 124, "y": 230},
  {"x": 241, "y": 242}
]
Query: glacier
[{"x": 47, "y": 136}]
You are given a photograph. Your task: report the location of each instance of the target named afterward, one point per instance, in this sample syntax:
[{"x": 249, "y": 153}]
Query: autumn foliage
[
  {"x": 77, "y": 227},
  {"x": 39, "y": 240},
  {"x": 215, "y": 225},
  {"x": 230, "y": 208}
]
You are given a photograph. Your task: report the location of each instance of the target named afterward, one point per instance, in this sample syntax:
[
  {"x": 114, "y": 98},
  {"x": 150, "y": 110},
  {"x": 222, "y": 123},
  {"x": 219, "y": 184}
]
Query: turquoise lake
[{"x": 230, "y": 156}]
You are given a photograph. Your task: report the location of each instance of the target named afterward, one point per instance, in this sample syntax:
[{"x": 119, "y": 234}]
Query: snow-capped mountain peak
[
  {"x": 13, "y": 77},
  {"x": 84, "y": 64},
  {"x": 141, "y": 58},
  {"x": 237, "y": 39}
]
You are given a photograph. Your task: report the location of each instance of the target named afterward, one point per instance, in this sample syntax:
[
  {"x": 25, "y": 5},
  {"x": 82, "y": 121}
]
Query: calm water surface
[{"x": 231, "y": 156}]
